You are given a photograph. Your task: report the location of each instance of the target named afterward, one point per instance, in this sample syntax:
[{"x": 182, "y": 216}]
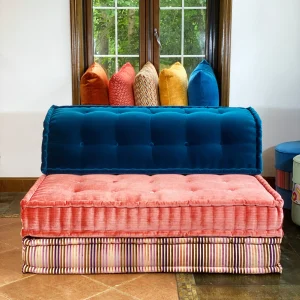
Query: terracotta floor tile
[
  {"x": 2, "y": 297},
  {"x": 6, "y": 247},
  {"x": 112, "y": 295},
  {"x": 11, "y": 267},
  {"x": 10, "y": 234},
  {"x": 7, "y": 221},
  {"x": 73, "y": 287},
  {"x": 152, "y": 286},
  {"x": 114, "y": 279}
]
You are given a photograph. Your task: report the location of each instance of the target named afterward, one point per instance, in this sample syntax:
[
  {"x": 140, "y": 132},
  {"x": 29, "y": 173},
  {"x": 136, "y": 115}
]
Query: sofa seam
[
  {"x": 258, "y": 125},
  {"x": 45, "y": 144}
]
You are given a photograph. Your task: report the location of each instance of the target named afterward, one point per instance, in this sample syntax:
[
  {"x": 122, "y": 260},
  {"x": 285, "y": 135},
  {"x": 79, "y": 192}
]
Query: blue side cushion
[
  {"x": 286, "y": 196},
  {"x": 203, "y": 87},
  {"x": 284, "y": 154},
  {"x": 151, "y": 140}
]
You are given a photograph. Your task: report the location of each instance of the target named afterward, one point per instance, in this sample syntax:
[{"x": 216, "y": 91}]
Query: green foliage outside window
[{"x": 128, "y": 33}]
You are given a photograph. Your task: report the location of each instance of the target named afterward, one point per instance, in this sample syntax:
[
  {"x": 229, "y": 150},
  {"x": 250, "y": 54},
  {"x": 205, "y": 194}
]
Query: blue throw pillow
[{"x": 203, "y": 87}]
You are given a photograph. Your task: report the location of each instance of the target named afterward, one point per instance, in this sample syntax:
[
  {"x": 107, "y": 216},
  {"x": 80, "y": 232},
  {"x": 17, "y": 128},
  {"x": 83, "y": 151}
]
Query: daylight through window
[{"x": 116, "y": 32}]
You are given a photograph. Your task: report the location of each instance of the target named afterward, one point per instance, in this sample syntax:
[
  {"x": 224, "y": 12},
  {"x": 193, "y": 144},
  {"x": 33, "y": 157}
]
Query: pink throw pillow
[{"x": 121, "y": 86}]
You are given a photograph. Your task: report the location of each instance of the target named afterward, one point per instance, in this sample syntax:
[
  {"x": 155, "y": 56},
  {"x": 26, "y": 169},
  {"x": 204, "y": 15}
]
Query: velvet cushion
[
  {"x": 203, "y": 87},
  {"x": 154, "y": 206},
  {"x": 173, "y": 86},
  {"x": 151, "y": 140},
  {"x": 94, "y": 86},
  {"x": 284, "y": 154},
  {"x": 121, "y": 86},
  {"x": 146, "y": 86}
]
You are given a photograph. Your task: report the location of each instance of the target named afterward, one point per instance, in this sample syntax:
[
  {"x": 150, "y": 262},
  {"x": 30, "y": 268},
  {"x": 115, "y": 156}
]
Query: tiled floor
[
  {"x": 15, "y": 285},
  {"x": 10, "y": 204},
  {"x": 271, "y": 286}
]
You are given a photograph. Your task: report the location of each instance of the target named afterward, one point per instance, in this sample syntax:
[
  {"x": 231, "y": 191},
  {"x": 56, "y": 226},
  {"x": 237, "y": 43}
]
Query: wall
[
  {"x": 265, "y": 68},
  {"x": 35, "y": 72}
]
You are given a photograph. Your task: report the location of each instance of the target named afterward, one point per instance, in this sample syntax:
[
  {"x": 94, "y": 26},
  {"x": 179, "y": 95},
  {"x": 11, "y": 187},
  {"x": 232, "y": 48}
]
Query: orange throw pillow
[
  {"x": 121, "y": 86},
  {"x": 94, "y": 86}
]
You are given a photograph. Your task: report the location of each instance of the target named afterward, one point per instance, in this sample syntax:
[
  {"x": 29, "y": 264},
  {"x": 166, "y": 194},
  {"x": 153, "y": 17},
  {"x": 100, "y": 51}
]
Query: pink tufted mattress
[{"x": 151, "y": 206}]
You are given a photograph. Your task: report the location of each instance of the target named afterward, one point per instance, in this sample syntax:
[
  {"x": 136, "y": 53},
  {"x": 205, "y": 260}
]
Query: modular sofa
[{"x": 151, "y": 189}]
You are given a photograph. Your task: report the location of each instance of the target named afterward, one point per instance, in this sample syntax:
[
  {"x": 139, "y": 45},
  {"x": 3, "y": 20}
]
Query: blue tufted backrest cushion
[{"x": 151, "y": 140}]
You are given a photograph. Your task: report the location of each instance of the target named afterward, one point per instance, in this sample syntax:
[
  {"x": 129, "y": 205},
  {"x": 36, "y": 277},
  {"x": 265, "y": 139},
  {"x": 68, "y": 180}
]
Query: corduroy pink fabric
[{"x": 152, "y": 206}]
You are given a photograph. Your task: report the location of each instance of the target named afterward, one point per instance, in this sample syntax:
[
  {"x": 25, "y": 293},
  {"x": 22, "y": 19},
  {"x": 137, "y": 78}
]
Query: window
[
  {"x": 116, "y": 35},
  {"x": 113, "y": 32},
  {"x": 116, "y": 26},
  {"x": 182, "y": 29}
]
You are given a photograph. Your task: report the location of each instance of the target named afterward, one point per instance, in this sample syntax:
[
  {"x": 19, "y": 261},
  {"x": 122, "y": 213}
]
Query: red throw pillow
[
  {"x": 94, "y": 86},
  {"x": 121, "y": 86}
]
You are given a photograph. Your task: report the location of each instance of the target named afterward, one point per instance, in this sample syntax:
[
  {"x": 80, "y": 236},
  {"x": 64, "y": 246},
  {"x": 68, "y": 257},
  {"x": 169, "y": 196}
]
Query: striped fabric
[
  {"x": 284, "y": 180},
  {"x": 130, "y": 255}
]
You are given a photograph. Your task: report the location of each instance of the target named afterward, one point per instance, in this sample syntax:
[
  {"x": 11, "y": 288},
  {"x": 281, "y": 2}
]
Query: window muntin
[
  {"x": 182, "y": 28},
  {"x": 116, "y": 33}
]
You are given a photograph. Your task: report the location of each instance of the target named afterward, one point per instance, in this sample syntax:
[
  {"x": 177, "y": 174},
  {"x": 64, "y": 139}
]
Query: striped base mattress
[
  {"x": 136, "y": 206},
  {"x": 130, "y": 255},
  {"x": 89, "y": 224}
]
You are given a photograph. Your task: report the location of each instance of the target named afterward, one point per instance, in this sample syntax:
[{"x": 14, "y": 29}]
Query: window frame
[{"x": 217, "y": 48}]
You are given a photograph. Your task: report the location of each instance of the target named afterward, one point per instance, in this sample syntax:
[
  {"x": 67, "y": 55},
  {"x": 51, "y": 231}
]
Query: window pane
[
  {"x": 107, "y": 3},
  {"x": 104, "y": 31},
  {"x": 190, "y": 63},
  {"x": 194, "y": 31},
  {"x": 173, "y": 3},
  {"x": 108, "y": 63},
  {"x": 132, "y": 3},
  {"x": 170, "y": 32},
  {"x": 135, "y": 61},
  {"x": 167, "y": 62},
  {"x": 195, "y": 3},
  {"x": 128, "y": 31}
]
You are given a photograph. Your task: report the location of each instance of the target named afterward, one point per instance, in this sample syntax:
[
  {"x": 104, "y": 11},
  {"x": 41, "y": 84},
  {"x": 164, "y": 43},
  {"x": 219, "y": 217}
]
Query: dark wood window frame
[{"x": 218, "y": 41}]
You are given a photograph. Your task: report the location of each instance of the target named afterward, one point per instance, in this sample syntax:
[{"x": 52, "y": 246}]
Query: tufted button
[
  {"x": 81, "y": 144},
  {"x": 151, "y": 144},
  {"x": 186, "y": 143},
  {"x": 117, "y": 144}
]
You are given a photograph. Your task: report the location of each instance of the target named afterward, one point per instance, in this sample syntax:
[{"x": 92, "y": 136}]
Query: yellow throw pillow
[
  {"x": 146, "y": 86},
  {"x": 173, "y": 86}
]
